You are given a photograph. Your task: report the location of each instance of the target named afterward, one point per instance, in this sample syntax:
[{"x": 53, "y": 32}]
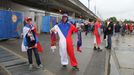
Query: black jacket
[
  {"x": 117, "y": 28},
  {"x": 111, "y": 28},
  {"x": 31, "y": 43}
]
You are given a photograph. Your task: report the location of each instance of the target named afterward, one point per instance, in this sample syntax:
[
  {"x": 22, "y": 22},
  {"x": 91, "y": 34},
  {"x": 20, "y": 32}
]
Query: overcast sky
[{"x": 122, "y": 9}]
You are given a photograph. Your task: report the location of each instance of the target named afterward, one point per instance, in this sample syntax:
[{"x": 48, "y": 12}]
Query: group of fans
[
  {"x": 65, "y": 29},
  {"x": 123, "y": 28}
]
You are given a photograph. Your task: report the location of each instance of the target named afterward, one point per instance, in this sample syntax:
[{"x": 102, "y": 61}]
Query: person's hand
[
  {"x": 109, "y": 28},
  {"x": 52, "y": 30},
  {"x": 35, "y": 46}
]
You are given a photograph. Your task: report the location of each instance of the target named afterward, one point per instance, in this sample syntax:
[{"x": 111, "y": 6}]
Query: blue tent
[{"x": 9, "y": 22}]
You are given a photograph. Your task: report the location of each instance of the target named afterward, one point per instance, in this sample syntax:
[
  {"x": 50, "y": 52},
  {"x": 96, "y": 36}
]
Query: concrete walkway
[
  {"x": 123, "y": 56},
  {"x": 90, "y": 62}
]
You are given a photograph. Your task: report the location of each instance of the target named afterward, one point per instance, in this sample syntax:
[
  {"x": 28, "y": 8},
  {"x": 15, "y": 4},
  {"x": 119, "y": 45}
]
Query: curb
[
  {"x": 107, "y": 63},
  {"x": 116, "y": 61}
]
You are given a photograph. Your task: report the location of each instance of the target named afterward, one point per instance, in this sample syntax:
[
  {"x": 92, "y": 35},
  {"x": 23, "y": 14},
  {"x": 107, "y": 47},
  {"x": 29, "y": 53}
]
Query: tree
[{"x": 113, "y": 19}]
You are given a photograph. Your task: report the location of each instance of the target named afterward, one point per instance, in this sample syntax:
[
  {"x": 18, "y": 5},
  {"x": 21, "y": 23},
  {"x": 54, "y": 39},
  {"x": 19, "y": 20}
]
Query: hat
[
  {"x": 28, "y": 18},
  {"x": 65, "y": 15}
]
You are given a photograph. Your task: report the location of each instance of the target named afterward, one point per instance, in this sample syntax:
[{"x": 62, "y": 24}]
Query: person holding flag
[
  {"x": 30, "y": 43},
  {"x": 65, "y": 30}
]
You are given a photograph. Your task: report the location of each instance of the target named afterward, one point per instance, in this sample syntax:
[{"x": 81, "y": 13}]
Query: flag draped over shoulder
[
  {"x": 24, "y": 42},
  {"x": 26, "y": 29}
]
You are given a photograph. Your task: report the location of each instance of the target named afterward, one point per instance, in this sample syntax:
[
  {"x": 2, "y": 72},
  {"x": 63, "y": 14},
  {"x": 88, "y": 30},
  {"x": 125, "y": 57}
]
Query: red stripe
[{"x": 70, "y": 49}]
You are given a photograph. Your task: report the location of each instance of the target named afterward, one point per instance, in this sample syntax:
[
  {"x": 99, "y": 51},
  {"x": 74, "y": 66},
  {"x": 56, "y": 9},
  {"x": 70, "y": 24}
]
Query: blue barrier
[
  {"x": 9, "y": 23},
  {"x": 47, "y": 23}
]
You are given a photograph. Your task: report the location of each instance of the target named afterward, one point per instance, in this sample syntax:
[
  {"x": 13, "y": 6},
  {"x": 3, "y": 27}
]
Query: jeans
[
  {"x": 29, "y": 54},
  {"x": 109, "y": 40}
]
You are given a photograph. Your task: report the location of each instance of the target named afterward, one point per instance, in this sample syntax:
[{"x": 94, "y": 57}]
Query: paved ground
[
  {"x": 122, "y": 58},
  {"x": 89, "y": 61}
]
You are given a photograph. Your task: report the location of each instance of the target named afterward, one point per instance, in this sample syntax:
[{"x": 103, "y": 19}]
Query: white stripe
[
  {"x": 25, "y": 31},
  {"x": 62, "y": 46}
]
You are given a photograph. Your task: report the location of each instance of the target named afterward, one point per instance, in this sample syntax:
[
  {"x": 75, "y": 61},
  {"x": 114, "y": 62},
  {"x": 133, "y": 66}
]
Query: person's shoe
[
  {"x": 109, "y": 48},
  {"x": 64, "y": 66},
  {"x": 79, "y": 51},
  {"x": 75, "y": 68},
  {"x": 40, "y": 66},
  {"x": 95, "y": 48},
  {"x": 106, "y": 47},
  {"x": 30, "y": 66},
  {"x": 99, "y": 49}
]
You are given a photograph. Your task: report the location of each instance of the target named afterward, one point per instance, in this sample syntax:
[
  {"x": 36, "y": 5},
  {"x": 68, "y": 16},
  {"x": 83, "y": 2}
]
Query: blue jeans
[
  {"x": 29, "y": 54},
  {"x": 109, "y": 40}
]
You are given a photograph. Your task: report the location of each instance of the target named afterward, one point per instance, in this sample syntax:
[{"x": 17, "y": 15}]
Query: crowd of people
[
  {"x": 65, "y": 30},
  {"x": 107, "y": 29}
]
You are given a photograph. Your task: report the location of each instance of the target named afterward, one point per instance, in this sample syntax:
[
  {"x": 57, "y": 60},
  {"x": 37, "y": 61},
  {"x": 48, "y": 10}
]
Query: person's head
[
  {"x": 90, "y": 20},
  {"x": 29, "y": 20},
  {"x": 98, "y": 19},
  {"x": 64, "y": 18}
]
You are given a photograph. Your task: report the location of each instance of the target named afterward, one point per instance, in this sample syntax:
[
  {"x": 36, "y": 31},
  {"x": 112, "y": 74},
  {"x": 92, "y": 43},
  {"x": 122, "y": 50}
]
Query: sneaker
[
  {"x": 64, "y": 66},
  {"x": 30, "y": 66},
  {"x": 99, "y": 49},
  {"x": 106, "y": 47},
  {"x": 95, "y": 48},
  {"x": 109, "y": 48},
  {"x": 75, "y": 68},
  {"x": 40, "y": 66}
]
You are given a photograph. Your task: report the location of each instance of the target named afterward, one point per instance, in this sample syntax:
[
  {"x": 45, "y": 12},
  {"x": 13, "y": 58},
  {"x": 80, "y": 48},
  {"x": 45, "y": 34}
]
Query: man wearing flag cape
[
  {"x": 65, "y": 30},
  {"x": 30, "y": 43}
]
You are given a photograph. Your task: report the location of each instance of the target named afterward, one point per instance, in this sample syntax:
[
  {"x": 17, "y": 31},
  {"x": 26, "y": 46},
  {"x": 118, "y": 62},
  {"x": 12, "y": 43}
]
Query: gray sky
[{"x": 122, "y": 9}]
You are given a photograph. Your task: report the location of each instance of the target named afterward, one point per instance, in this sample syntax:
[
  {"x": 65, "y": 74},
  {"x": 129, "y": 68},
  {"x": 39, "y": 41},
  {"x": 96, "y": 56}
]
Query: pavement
[
  {"x": 122, "y": 56},
  {"x": 90, "y": 62}
]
